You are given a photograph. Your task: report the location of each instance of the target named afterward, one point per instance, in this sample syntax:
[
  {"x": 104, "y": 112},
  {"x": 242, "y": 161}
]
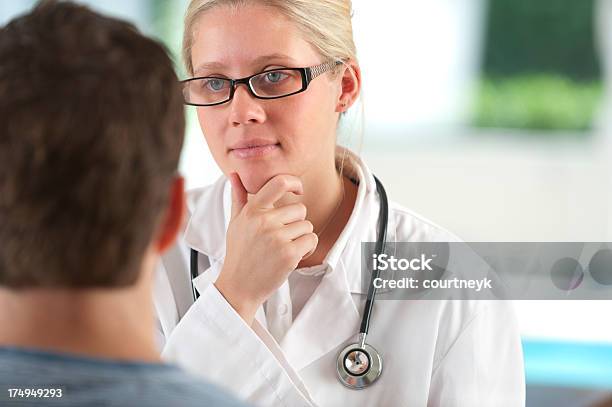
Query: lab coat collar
[
  {"x": 353, "y": 168},
  {"x": 362, "y": 226},
  {"x": 207, "y": 227}
]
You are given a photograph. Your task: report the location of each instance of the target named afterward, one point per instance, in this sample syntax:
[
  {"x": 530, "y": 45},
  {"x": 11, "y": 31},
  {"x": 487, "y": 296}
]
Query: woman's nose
[{"x": 245, "y": 108}]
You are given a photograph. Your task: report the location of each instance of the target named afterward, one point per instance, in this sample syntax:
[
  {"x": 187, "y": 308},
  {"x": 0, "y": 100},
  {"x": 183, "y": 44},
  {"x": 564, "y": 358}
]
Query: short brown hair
[{"x": 91, "y": 128}]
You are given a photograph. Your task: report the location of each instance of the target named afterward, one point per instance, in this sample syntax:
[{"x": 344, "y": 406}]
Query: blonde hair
[{"x": 325, "y": 24}]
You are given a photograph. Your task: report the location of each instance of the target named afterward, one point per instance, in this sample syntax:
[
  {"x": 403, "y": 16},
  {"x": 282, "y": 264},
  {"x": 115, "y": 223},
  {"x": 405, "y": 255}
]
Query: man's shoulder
[{"x": 86, "y": 381}]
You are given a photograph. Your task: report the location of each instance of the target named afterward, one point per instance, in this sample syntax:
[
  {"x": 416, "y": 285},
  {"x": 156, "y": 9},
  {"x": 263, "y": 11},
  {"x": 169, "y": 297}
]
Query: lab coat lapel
[{"x": 329, "y": 318}]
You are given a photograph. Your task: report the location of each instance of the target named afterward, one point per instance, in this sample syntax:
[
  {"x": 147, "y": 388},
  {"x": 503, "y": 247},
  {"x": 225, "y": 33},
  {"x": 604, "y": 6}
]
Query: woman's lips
[{"x": 254, "y": 151}]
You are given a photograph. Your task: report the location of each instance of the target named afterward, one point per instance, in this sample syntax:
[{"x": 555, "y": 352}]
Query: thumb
[{"x": 239, "y": 194}]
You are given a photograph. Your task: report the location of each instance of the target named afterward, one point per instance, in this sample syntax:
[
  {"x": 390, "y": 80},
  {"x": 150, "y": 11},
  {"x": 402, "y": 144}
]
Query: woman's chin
[{"x": 253, "y": 182}]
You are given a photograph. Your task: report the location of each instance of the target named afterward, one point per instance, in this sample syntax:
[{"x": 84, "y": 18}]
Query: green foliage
[
  {"x": 544, "y": 102},
  {"x": 532, "y": 36}
]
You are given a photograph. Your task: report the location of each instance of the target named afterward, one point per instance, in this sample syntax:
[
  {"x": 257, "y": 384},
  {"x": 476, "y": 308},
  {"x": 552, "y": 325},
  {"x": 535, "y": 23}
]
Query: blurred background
[{"x": 500, "y": 117}]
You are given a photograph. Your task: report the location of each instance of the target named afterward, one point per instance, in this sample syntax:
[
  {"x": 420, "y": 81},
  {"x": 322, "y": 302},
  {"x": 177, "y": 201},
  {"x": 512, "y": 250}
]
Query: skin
[
  {"x": 94, "y": 322},
  {"x": 235, "y": 43}
]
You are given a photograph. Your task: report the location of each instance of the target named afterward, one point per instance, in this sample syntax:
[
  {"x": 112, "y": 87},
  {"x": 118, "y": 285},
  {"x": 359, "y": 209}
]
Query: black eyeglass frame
[{"x": 307, "y": 73}]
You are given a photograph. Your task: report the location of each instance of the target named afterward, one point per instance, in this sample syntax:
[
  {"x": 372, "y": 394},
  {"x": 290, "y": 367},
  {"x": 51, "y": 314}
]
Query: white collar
[{"x": 207, "y": 227}]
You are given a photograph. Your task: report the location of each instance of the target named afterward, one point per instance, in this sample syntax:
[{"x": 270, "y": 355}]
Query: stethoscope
[{"x": 358, "y": 364}]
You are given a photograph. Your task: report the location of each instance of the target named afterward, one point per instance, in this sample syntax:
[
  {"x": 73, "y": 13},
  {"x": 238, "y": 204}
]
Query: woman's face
[{"x": 295, "y": 134}]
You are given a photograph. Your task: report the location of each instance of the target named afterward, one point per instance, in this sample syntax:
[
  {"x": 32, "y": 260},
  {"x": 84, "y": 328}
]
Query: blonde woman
[{"x": 276, "y": 240}]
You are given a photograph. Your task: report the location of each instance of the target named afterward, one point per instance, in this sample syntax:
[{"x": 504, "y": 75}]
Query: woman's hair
[{"x": 325, "y": 24}]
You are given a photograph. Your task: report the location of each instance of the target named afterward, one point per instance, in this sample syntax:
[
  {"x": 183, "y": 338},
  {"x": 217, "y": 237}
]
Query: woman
[{"x": 282, "y": 230}]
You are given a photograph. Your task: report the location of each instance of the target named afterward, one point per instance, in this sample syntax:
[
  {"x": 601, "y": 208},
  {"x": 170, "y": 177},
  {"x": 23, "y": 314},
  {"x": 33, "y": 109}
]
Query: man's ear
[
  {"x": 350, "y": 85},
  {"x": 172, "y": 219}
]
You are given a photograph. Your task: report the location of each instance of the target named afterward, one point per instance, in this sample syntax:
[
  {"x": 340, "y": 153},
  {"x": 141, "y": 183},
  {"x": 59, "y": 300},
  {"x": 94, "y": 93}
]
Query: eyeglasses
[{"x": 271, "y": 84}]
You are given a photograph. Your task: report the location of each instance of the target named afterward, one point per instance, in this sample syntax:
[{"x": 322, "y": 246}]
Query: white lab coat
[{"x": 435, "y": 352}]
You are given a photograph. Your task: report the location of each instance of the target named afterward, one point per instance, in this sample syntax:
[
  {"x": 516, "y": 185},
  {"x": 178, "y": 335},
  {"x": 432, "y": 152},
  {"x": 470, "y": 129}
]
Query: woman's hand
[{"x": 264, "y": 243}]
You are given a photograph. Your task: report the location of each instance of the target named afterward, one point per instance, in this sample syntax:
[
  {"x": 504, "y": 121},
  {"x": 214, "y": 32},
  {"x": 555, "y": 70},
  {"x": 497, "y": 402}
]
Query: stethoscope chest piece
[{"x": 359, "y": 366}]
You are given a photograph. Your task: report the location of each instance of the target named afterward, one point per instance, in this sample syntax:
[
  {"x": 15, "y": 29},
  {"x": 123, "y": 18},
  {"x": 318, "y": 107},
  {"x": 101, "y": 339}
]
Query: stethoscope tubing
[{"x": 381, "y": 241}]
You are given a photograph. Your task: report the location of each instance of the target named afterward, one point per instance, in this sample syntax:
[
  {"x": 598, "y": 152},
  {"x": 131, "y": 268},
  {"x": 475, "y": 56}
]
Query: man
[{"x": 91, "y": 128}]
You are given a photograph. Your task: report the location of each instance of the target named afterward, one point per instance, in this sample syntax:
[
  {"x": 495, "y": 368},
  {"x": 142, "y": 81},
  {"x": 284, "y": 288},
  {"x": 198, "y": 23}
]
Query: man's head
[{"x": 91, "y": 127}]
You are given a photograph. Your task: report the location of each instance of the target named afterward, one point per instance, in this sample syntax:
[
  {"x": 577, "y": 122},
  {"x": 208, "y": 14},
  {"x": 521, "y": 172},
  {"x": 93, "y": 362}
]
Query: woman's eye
[
  {"x": 214, "y": 84},
  {"x": 275, "y": 77}
]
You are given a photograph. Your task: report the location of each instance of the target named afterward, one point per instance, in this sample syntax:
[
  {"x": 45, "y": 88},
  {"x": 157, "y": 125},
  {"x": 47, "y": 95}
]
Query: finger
[
  {"x": 289, "y": 213},
  {"x": 306, "y": 244},
  {"x": 275, "y": 188},
  {"x": 239, "y": 194},
  {"x": 295, "y": 230}
]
